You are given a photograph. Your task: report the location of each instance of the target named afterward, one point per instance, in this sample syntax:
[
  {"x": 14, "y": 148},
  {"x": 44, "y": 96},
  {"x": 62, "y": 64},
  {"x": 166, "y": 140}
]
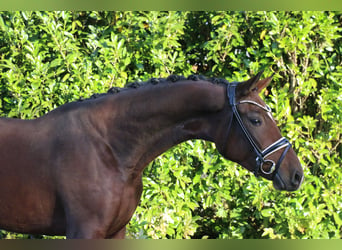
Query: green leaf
[{"x": 267, "y": 212}]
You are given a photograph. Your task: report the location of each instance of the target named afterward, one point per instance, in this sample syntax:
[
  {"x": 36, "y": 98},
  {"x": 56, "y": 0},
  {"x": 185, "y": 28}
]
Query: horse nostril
[{"x": 297, "y": 179}]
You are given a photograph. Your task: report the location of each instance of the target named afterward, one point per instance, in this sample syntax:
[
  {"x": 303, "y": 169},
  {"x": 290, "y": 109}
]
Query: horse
[{"x": 77, "y": 170}]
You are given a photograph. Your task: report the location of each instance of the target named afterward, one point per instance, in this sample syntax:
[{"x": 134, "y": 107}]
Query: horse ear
[
  {"x": 250, "y": 85},
  {"x": 260, "y": 85}
]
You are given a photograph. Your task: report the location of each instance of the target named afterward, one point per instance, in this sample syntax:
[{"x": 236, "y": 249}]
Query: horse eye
[{"x": 255, "y": 122}]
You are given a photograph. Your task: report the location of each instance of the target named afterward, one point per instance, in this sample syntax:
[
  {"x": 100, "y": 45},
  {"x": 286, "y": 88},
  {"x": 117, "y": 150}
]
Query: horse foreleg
[
  {"x": 119, "y": 234},
  {"x": 85, "y": 232}
]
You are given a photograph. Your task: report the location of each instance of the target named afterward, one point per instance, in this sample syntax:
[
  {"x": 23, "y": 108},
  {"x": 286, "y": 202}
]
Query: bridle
[{"x": 261, "y": 154}]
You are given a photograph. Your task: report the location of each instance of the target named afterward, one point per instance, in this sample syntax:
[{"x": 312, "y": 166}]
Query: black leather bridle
[{"x": 261, "y": 154}]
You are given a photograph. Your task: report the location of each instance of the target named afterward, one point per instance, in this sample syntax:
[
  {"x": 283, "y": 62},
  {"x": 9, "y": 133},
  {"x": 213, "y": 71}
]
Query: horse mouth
[{"x": 279, "y": 184}]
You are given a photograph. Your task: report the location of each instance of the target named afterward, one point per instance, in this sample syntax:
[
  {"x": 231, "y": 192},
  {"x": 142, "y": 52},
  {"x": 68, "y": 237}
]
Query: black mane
[{"x": 154, "y": 81}]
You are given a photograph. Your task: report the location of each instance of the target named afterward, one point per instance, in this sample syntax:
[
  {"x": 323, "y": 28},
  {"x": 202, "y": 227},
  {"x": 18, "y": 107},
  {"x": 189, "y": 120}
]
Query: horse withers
[{"x": 77, "y": 171}]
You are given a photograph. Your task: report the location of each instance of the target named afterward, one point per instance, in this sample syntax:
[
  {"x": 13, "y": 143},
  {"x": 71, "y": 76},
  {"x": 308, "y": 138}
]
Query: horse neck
[{"x": 151, "y": 119}]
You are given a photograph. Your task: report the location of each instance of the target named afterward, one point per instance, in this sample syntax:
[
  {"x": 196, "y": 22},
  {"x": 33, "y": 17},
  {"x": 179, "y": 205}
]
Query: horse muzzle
[{"x": 292, "y": 184}]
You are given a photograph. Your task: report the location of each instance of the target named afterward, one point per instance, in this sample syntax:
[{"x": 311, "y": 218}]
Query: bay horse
[{"x": 77, "y": 170}]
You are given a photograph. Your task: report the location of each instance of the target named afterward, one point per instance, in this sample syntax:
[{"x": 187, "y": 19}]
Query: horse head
[{"x": 254, "y": 140}]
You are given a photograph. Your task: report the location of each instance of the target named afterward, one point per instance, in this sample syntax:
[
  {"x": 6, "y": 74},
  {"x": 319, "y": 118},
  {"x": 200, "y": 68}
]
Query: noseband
[{"x": 261, "y": 154}]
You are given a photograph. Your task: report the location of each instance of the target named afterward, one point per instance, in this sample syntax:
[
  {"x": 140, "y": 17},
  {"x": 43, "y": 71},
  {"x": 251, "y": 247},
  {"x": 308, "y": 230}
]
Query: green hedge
[{"x": 50, "y": 58}]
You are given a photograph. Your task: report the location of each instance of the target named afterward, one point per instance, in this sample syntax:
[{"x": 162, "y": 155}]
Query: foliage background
[{"x": 50, "y": 58}]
